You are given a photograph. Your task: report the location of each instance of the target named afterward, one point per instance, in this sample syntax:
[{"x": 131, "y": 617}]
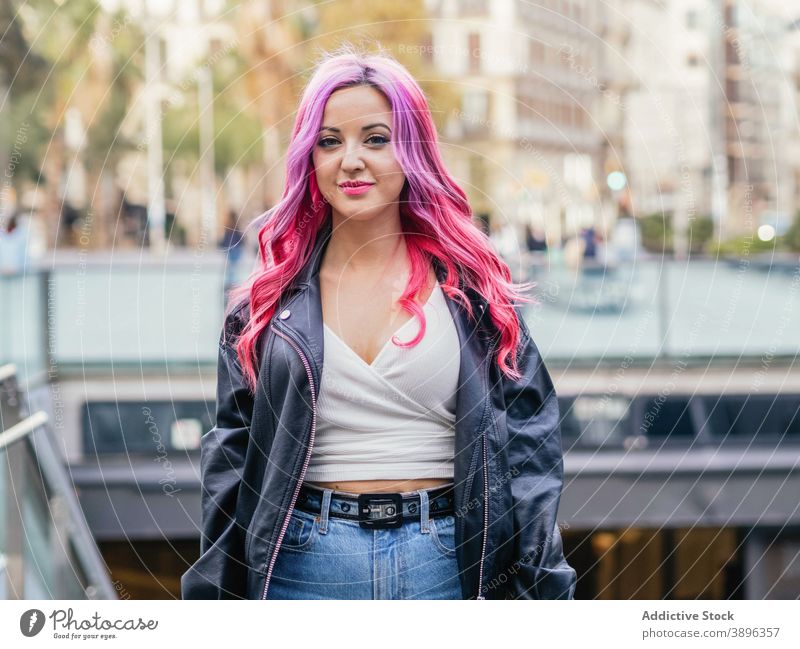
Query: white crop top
[{"x": 395, "y": 418}]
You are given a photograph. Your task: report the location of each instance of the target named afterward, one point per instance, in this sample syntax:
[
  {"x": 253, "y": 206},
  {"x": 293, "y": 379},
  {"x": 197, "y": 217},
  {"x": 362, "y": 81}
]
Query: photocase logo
[{"x": 31, "y": 622}]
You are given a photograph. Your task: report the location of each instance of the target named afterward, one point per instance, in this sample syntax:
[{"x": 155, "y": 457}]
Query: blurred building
[
  {"x": 792, "y": 110},
  {"x": 756, "y": 37},
  {"x": 667, "y": 143},
  {"x": 710, "y": 119},
  {"x": 695, "y": 104},
  {"x": 523, "y": 142}
]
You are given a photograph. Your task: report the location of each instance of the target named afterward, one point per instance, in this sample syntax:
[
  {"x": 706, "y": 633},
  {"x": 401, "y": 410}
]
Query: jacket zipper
[
  {"x": 485, "y": 485},
  {"x": 306, "y": 461},
  {"x": 485, "y": 514}
]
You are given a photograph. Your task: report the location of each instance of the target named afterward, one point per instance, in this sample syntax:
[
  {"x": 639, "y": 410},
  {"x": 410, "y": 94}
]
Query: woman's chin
[{"x": 353, "y": 213}]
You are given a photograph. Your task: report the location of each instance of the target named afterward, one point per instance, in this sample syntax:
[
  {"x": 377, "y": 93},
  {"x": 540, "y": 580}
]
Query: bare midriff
[{"x": 381, "y": 486}]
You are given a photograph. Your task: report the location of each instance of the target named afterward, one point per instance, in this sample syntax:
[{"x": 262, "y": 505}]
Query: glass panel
[
  {"x": 39, "y": 569},
  {"x": 150, "y": 427},
  {"x": 74, "y": 579},
  {"x": 609, "y": 309},
  {"x": 664, "y": 418},
  {"x": 595, "y": 420},
  {"x": 596, "y": 313},
  {"x": 149, "y": 314},
  {"x": 42, "y": 527},
  {"x": 22, "y": 343},
  {"x": 3, "y": 524},
  {"x": 3, "y": 497},
  {"x": 759, "y": 416}
]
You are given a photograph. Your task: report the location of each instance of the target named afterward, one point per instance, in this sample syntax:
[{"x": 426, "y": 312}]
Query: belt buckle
[{"x": 373, "y": 510}]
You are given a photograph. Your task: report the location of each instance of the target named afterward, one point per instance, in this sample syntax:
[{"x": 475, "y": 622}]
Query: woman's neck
[{"x": 368, "y": 246}]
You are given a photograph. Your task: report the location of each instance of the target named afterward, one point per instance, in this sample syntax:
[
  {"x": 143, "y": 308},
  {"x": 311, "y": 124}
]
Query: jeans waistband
[{"x": 378, "y": 510}]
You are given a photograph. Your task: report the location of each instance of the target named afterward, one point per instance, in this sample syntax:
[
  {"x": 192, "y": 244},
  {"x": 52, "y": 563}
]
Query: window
[
  {"x": 427, "y": 47},
  {"x": 472, "y": 7},
  {"x": 594, "y": 420},
  {"x": 474, "y": 52},
  {"x": 753, "y": 416},
  {"x": 603, "y": 420},
  {"x": 664, "y": 418},
  {"x": 536, "y": 51},
  {"x": 475, "y": 109},
  {"x": 150, "y": 427}
]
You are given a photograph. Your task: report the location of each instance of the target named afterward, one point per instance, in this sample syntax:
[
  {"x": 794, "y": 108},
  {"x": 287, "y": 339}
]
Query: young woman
[{"x": 385, "y": 426}]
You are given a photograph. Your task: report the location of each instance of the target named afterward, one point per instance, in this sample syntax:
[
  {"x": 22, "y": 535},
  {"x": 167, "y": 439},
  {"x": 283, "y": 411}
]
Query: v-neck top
[{"x": 393, "y": 418}]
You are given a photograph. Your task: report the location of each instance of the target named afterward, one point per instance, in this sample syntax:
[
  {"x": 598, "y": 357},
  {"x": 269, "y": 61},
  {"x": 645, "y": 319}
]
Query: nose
[{"x": 352, "y": 161}]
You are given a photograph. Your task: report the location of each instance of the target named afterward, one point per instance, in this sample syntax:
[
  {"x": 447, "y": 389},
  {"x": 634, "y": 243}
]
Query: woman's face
[{"x": 353, "y": 148}]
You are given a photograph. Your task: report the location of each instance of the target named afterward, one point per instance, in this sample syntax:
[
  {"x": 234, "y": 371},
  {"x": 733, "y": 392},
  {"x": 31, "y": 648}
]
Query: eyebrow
[{"x": 363, "y": 128}]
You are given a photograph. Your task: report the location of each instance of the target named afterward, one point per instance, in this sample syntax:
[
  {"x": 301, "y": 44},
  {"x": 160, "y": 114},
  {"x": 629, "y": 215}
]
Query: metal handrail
[
  {"x": 85, "y": 546},
  {"x": 7, "y": 371},
  {"x": 22, "y": 429},
  {"x": 41, "y": 445}
]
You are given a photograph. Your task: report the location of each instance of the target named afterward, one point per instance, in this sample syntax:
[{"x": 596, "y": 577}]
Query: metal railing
[{"x": 46, "y": 548}]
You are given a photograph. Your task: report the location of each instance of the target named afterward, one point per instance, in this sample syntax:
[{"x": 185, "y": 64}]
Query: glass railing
[
  {"x": 46, "y": 548},
  {"x": 655, "y": 309},
  {"x": 120, "y": 309},
  {"x": 114, "y": 311},
  {"x": 23, "y": 324}
]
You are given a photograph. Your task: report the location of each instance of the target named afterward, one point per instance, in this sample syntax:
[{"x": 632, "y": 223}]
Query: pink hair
[{"x": 435, "y": 215}]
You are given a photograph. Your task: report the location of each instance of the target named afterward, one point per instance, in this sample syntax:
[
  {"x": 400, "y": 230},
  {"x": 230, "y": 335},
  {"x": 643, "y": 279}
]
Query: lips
[
  {"x": 354, "y": 183},
  {"x": 355, "y": 187}
]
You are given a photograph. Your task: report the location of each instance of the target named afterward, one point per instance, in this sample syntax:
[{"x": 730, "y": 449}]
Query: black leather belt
[{"x": 377, "y": 510}]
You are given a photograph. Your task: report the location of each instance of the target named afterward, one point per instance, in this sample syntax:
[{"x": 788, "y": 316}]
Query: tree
[
  {"x": 791, "y": 239},
  {"x": 72, "y": 42},
  {"x": 21, "y": 72},
  {"x": 401, "y": 29}
]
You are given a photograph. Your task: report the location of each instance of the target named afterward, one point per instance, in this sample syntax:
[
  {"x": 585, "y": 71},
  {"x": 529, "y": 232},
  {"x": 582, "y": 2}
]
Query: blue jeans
[{"x": 322, "y": 557}]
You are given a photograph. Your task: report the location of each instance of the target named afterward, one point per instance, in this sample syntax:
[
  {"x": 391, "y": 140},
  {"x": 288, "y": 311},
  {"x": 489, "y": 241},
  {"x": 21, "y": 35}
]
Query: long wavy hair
[{"x": 436, "y": 218}]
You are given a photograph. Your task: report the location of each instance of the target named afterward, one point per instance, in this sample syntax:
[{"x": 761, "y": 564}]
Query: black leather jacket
[{"x": 508, "y": 458}]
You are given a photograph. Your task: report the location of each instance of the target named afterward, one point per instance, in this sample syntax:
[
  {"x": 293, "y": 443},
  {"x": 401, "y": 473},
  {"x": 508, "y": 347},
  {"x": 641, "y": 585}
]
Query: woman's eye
[{"x": 376, "y": 139}]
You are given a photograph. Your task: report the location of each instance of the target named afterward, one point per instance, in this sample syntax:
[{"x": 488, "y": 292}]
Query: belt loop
[
  {"x": 325, "y": 510},
  {"x": 424, "y": 518}
]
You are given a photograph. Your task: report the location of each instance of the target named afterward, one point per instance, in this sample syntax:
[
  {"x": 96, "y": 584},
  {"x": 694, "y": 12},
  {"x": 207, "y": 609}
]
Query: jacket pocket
[{"x": 219, "y": 573}]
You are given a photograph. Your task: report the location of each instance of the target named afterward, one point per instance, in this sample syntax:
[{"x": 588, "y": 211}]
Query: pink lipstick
[{"x": 355, "y": 188}]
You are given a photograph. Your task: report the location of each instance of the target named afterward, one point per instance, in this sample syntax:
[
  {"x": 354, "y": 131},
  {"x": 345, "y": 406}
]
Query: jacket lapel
[{"x": 304, "y": 302}]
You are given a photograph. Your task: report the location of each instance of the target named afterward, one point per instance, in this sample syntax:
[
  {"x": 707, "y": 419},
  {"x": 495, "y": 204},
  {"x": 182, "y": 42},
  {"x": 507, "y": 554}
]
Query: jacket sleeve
[
  {"x": 220, "y": 572},
  {"x": 539, "y": 569}
]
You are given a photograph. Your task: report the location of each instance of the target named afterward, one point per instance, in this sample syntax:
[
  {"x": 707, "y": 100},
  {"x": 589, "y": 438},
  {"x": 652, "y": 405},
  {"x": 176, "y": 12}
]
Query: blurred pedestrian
[
  {"x": 535, "y": 239},
  {"x": 589, "y": 236},
  {"x": 232, "y": 243},
  {"x": 627, "y": 240},
  {"x": 13, "y": 247}
]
